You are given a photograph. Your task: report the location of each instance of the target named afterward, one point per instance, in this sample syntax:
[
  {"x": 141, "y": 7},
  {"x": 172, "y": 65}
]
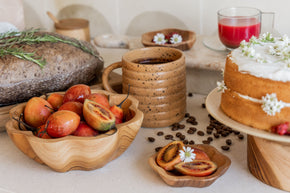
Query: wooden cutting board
[{"x": 115, "y": 80}]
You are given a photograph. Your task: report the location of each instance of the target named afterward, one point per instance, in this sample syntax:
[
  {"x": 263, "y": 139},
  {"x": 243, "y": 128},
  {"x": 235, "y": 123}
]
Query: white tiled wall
[{"x": 134, "y": 17}]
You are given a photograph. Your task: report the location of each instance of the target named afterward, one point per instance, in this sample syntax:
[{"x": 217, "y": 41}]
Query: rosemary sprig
[{"x": 8, "y": 41}]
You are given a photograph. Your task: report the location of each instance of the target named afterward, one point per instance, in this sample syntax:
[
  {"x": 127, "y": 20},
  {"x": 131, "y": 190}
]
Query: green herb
[{"x": 8, "y": 41}]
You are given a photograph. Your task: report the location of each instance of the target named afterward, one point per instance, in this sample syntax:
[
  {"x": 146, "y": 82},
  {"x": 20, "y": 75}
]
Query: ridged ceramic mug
[{"x": 157, "y": 79}]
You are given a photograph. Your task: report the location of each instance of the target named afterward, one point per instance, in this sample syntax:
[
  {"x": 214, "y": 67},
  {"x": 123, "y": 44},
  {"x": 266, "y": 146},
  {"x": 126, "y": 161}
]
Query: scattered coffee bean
[
  {"x": 229, "y": 142},
  {"x": 225, "y": 147},
  {"x": 236, "y": 132},
  {"x": 181, "y": 126},
  {"x": 182, "y": 137},
  {"x": 174, "y": 128},
  {"x": 206, "y": 142},
  {"x": 151, "y": 139},
  {"x": 216, "y": 135},
  {"x": 186, "y": 115},
  {"x": 200, "y": 133},
  {"x": 175, "y": 125},
  {"x": 185, "y": 142},
  {"x": 158, "y": 149},
  {"x": 159, "y": 133},
  {"x": 193, "y": 129},
  {"x": 189, "y": 131},
  {"x": 178, "y": 134},
  {"x": 191, "y": 142},
  {"x": 241, "y": 136},
  {"x": 203, "y": 105},
  {"x": 208, "y": 131},
  {"x": 224, "y": 133},
  {"x": 167, "y": 137},
  {"x": 210, "y": 139},
  {"x": 190, "y": 94}
]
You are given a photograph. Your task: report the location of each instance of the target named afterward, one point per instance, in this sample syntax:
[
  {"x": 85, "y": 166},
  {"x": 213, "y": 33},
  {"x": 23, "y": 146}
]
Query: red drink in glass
[
  {"x": 232, "y": 32},
  {"x": 237, "y": 24}
]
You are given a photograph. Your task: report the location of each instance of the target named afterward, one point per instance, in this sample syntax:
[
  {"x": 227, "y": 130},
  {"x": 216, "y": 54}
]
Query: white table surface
[{"x": 130, "y": 173}]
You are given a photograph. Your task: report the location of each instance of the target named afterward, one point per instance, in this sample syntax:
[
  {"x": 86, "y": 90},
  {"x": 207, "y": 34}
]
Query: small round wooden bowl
[
  {"x": 79, "y": 153},
  {"x": 188, "y": 38},
  {"x": 222, "y": 161}
]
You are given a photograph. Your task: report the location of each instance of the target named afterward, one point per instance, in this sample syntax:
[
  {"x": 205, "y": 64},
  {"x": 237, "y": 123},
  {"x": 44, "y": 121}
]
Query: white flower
[
  {"x": 271, "y": 105},
  {"x": 248, "y": 51},
  {"x": 159, "y": 38},
  {"x": 175, "y": 38},
  {"x": 243, "y": 44},
  {"x": 187, "y": 155},
  {"x": 221, "y": 86}
]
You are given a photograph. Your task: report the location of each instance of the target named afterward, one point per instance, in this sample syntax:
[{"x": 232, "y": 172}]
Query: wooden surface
[
  {"x": 78, "y": 153},
  {"x": 222, "y": 161},
  {"x": 269, "y": 161},
  {"x": 188, "y": 38},
  {"x": 115, "y": 80}
]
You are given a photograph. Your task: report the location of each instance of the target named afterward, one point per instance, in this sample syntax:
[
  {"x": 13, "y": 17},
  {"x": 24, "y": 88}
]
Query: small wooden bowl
[
  {"x": 222, "y": 161},
  {"x": 188, "y": 38},
  {"x": 78, "y": 153}
]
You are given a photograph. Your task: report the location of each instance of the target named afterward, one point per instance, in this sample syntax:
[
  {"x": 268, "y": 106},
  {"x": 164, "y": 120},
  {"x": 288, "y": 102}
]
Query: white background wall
[{"x": 134, "y": 17}]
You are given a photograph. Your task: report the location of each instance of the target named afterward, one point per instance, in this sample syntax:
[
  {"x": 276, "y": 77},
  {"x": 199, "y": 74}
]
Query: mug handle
[{"x": 106, "y": 73}]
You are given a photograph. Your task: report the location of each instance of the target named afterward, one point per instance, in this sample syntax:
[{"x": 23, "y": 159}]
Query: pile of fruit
[
  {"x": 77, "y": 112},
  {"x": 174, "y": 157}
]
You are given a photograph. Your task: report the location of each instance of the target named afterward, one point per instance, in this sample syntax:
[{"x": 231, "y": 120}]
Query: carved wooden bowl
[
  {"x": 79, "y": 153},
  {"x": 188, "y": 38},
  {"x": 222, "y": 161}
]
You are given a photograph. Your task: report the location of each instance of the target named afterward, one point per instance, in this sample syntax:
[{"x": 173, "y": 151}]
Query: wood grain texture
[
  {"x": 188, "y": 38},
  {"x": 79, "y": 153},
  {"x": 222, "y": 161},
  {"x": 269, "y": 161}
]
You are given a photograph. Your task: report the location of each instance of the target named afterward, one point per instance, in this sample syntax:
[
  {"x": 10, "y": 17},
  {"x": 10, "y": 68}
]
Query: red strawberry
[{"x": 281, "y": 129}]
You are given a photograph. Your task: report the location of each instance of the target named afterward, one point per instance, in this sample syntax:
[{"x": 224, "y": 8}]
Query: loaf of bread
[{"x": 65, "y": 66}]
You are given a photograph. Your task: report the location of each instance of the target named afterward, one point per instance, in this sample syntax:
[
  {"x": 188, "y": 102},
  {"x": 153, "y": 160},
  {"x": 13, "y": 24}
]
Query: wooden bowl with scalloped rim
[
  {"x": 170, "y": 178},
  {"x": 188, "y": 38},
  {"x": 74, "y": 152}
]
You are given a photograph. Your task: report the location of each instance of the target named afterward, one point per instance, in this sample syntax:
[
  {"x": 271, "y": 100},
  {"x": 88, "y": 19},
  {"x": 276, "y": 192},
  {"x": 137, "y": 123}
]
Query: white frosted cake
[{"x": 256, "y": 86}]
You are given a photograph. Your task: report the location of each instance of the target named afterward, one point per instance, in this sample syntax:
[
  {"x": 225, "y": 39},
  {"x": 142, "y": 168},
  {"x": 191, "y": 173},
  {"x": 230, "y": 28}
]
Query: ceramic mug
[{"x": 157, "y": 79}]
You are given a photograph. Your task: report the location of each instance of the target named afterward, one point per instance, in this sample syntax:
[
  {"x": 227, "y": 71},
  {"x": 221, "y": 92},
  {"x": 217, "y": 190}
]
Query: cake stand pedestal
[
  {"x": 268, "y": 153},
  {"x": 269, "y": 161}
]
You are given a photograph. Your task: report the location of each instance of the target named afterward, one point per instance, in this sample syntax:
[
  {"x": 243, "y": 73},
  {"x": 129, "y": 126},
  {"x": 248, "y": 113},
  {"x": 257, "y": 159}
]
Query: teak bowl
[
  {"x": 78, "y": 153},
  {"x": 188, "y": 38},
  {"x": 222, "y": 161}
]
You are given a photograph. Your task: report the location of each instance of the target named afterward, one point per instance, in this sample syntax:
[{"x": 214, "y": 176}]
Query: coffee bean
[
  {"x": 208, "y": 131},
  {"x": 236, "y": 132},
  {"x": 186, "y": 115},
  {"x": 194, "y": 123},
  {"x": 189, "y": 131},
  {"x": 175, "y": 125},
  {"x": 167, "y": 137},
  {"x": 200, "y": 133},
  {"x": 185, "y": 142},
  {"x": 181, "y": 126},
  {"x": 191, "y": 142},
  {"x": 158, "y": 149},
  {"x": 178, "y": 134},
  {"x": 193, "y": 129},
  {"x": 203, "y": 105},
  {"x": 225, "y": 147},
  {"x": 151, "y": 139},
  {"x": 206, "y": 142},
  {"x": 210, "y": 139},
  {"x": 225, "y": 133},
  {"x": 216, "y": 135},
  {"x": 190, "y": 94},
  {"x": 159, "y": 133},
  {"x": 182, "y": 137},
  {"x": 229, "y": 142},
  {"x": 174, "y": 128},
  {"x": 241, "y": 136}
]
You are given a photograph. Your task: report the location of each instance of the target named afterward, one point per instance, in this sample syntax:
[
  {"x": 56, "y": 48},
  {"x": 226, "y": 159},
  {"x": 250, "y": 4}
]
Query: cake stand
[{"x": 268, "y": 153}]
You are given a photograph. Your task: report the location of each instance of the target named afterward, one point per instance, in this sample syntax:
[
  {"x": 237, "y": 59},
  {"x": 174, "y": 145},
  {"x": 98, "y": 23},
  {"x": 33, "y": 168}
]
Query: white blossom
[
  {"x": 159, "y": 38},
  {"x": 221, "y": 86},
  {"x": 187, "y": 155},
  {"x": 271, "y": 105}
]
